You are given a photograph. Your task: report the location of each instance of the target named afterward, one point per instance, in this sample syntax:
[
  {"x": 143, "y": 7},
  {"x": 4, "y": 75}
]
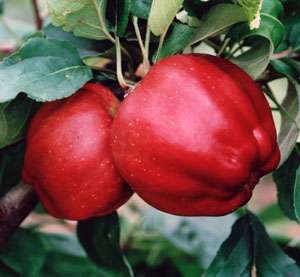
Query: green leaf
[
  {"x": 24, "y": 253},
  {"x": 62, "y": 265},
  {"x": 11, "y": 165},
  {"x": 44, "y": 69},
  {"x": 270, "y": 28},
  {"x": 287, "y": 67},
  {"x": 32, "y": 254},
  {"x": 289, "y": 130},
  {"x": 297, "y": 195},
  {"x": 272, "y": 213},
  {"x": 162, "y": 14},
  {"x": 252, "y": 11},
  {"x": 100, "y": 237},
  {"x": 270, "y": 259},
  {"x": 294, "y": 64},
  {"x": 256, "y": 60},
  {"x": 292, "y": 24},
  {"x": 85, "y": 47},
  {"x": 235, "y": 256},
  {"x": 14, "y": 117},
  {"x": 180, "y": 36},
  {"x": 85, "y": 18},
  {"x": 218, "y": 19},
  {"x": 141, "y": 8},
  {"x": 122, "y": 16},
  {"x": 272, "y": 7},
  {"x": 198, "y": 8},
  {"x": 288, "y": 185},
  {"x": 65, "y": 257},
  {"x": 249, "y": 245}
]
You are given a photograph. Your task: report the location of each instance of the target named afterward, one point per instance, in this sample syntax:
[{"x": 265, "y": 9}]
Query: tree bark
[{"x": 14, "y": 208}]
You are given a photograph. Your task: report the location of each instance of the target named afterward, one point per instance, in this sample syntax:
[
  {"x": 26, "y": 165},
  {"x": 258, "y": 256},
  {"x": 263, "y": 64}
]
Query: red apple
[
  {"x": 68, "y": 157},
  {"x": 194, "y": 137}
]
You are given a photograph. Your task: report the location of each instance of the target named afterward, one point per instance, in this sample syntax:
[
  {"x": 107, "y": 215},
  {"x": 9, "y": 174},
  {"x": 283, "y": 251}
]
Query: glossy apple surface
[
  {"x": 194, "y": 137},
  {"x": 68, "y": 156}
]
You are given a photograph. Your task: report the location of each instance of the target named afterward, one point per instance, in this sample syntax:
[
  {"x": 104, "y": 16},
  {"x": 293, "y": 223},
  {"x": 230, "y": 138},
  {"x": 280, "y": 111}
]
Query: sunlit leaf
[
  {"x": 85, "y": 18},
  {"x": 162, "y": 14},
  {"x": 218, "y": 19}
]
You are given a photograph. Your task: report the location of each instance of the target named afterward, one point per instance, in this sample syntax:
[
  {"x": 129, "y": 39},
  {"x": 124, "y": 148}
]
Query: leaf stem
[
  {"x": 147, "y": 40},
  {"x": 138, "y": 34},
  {"x": 146, "y": 63},
  {"x": 161, "y": 42},
  {"x": 120, "y": 75},
  {"x": 213, "y": 45},
  {"x": 269, "y": 92},
  {"x": 130, "y": 82},
  {"x": 239, "y": 47},
  {"x": 102, "y": 23},
  {"x": 223, "y": 47},
  {"x": 106, "y": 32}
]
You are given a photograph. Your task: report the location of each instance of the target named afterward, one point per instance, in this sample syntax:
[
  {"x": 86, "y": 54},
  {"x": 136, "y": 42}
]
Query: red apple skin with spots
[
  {"x": 68, "y": 156},
  {"x": 194, "y": 137}
]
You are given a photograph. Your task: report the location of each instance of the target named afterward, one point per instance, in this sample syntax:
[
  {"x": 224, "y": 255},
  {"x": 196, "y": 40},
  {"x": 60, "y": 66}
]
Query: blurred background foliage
[{"x": 154, "y": 243}]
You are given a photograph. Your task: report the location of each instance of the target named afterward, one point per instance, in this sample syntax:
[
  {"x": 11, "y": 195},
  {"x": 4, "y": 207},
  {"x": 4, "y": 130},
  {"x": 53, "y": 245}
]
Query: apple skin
[
  {"x": 194, "y": 136},
  {"x": 68, "y": 156}
]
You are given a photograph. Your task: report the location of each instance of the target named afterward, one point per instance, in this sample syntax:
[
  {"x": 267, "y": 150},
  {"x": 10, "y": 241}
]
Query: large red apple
[
  {"x": 68, "y": 157},
  {"x": 195, "y": 136}
]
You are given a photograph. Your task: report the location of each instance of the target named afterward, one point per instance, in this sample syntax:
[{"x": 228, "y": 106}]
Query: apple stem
[{"x": 15, "y": 206}]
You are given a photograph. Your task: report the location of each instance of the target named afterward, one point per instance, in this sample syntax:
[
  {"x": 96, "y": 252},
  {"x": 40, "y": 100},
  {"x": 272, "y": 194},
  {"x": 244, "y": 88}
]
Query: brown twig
[
  {"x": 14, "y": 208},
  {"x": 38, "y": 18}
]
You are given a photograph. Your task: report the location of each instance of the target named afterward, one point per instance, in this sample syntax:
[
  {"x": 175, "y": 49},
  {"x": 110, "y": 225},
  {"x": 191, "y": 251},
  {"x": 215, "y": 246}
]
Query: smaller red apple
[{"x": 68, "y": 157}]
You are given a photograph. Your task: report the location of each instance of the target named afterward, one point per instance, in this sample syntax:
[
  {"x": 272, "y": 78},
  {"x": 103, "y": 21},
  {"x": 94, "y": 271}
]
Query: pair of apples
[{"x": 192, "y": 138}]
